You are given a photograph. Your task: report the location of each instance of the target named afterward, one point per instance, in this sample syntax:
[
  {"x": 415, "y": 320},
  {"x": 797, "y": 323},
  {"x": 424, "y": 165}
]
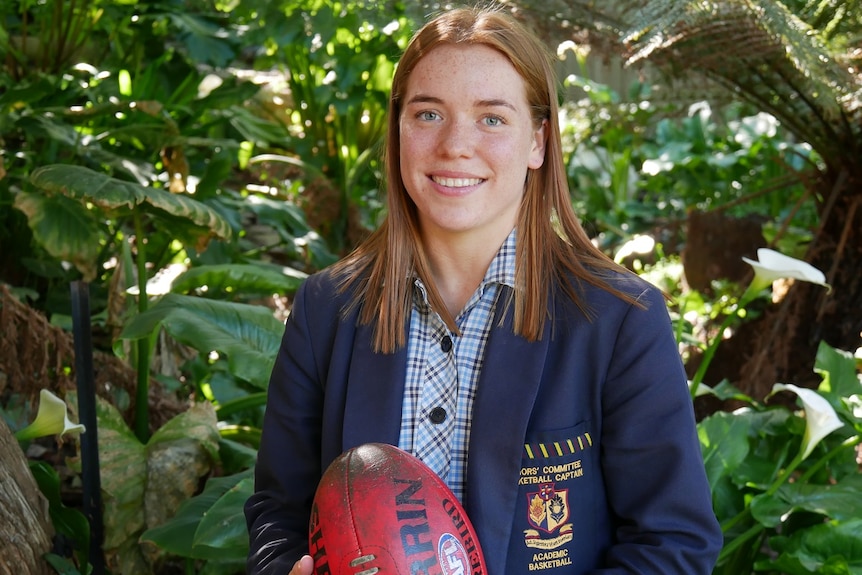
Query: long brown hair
[{"x": 552, "y": 248}]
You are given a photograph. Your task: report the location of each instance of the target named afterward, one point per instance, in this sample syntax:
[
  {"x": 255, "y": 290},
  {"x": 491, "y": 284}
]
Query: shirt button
[
  {"x": 446, "y": 344},
  {"x": 437, "y": 415}
]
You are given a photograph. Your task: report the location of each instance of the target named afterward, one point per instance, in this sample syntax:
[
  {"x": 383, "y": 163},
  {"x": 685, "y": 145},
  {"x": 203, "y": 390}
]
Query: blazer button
[
  {"x": 446, "y": 344},
  {"x": 437, "y": 415}
]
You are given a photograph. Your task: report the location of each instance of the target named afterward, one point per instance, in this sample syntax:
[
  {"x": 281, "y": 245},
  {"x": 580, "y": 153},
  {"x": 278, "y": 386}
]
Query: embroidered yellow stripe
[{"x": 558, "y": 448}]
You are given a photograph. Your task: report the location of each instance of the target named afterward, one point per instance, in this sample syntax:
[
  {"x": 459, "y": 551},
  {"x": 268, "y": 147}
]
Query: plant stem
[
  {"x": 782, "y": 477},
  {"x": 849, "y": 442},
  {"x": 747, "y": 297},
  {"x": 738, "y": 541},
  {"x": 707, "y": 355}
]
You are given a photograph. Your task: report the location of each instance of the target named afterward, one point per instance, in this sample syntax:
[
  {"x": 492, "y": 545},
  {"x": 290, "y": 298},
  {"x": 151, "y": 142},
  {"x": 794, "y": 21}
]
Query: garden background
[{"x": 171, "y": 170}]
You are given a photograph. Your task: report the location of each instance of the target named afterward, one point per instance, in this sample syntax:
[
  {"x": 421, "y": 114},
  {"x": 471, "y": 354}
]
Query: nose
[{"x": 458, "y": 138}]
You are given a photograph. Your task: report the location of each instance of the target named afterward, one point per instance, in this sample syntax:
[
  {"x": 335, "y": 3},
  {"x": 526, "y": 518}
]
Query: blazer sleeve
[
  {"x": 289, "y": 459},
  {"x": 651, "y": 459}
]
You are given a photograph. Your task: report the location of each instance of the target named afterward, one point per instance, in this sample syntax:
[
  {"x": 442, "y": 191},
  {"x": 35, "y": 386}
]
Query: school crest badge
[{"x": 548, "y": 513}]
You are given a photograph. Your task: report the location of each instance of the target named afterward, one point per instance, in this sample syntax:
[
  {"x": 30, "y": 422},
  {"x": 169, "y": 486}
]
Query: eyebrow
[{"x": 491, "y": 103}]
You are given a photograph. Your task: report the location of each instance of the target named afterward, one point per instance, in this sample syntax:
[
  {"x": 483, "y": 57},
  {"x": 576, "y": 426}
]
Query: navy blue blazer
[{"x": 583, "y": 453}]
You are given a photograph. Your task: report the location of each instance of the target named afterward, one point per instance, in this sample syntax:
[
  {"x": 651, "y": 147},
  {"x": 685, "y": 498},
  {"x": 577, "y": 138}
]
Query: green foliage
[
  {"x": 189, "y": 217},
  {"x": 602, "y": 136},
  {"x": 246, "y": 279},
  {"x": 68, "y": 522},
  {"x": 209, "y": 526},
  {"x": 782, "y": 512},
  {"x": 339, "y": 59},
  {"x": 633, "y": 165},
  {"x": 143, "y": 483},
  {"x": 247, "y": 334}
]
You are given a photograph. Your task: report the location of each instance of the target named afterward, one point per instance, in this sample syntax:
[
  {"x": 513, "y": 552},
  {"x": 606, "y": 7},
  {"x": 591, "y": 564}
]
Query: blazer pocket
[{"x": 559, "y": 488}]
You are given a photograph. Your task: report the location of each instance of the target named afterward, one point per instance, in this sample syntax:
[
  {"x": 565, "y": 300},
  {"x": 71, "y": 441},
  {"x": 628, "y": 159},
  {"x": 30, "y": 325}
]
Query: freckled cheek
[
  {"x": 416, "y": 146},
  {"x": 412, "y": 155},
  {"x": 494, "y": 149}
]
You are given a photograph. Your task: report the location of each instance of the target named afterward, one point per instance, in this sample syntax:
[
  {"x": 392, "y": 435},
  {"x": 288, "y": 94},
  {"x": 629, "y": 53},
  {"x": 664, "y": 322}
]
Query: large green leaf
[
  {"x": 115, "y": 195},
  {"x": 123, "y": 471},
  {"x": 132, "y": 495},
  {"x": 235, "y": 456},
  {"x": 840, "y": 501},
  {"x": 222, "y": 533},
  {"x": 180, "y": 535},
  {"x": 198, "y": 423},
  {"x": 205, "y": 41},
  {"x": 248, "y": 335},
  {"x": 240, "y": 278},
  {"x": 829, "y": 549},
  {"x": 838, "y": 369},
  {"x": 724, "y": 443},
  {"x": 30, "y": 90},
  {"x": 65, "y": 228},
  {"x": 254, "y": 128}
]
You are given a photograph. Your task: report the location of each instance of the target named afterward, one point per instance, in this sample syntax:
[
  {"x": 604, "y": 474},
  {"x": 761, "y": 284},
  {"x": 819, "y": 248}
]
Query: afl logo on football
[{"x": 452, "y": 556}]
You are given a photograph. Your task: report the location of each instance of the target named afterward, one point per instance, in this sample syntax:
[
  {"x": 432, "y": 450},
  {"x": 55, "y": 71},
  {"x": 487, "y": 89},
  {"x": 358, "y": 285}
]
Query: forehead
[{"x": 465, "y": 68}]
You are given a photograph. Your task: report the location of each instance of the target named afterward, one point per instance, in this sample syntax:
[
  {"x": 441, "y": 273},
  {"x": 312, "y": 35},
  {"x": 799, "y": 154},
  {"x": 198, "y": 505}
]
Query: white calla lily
[
  {"x": 52, "y": 418},
  {"x": 702, "y": 389},
  {"x": 772, "y": 265},
  {"x": 820, "y": 417}
]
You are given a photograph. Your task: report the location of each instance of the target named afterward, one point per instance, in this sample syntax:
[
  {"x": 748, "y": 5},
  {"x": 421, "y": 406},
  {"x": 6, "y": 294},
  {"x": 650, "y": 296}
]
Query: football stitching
[{"x": 350, "y": 509}]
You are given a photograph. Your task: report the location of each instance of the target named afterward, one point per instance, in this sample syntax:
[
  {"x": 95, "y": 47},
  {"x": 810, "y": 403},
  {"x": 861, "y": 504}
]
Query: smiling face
[{"x": 467, "y": 140}]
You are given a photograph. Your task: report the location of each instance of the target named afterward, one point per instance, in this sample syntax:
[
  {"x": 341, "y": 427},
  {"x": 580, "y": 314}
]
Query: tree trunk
[{"x": 25, "y": 528}]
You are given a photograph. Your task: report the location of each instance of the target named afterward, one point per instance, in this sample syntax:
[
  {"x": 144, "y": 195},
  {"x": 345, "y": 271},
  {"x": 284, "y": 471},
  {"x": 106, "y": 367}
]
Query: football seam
[{"x": 350, "y": 508}]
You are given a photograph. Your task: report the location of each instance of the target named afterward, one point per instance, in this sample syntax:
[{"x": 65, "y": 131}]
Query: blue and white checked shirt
[{"x": 443, "y": 370}]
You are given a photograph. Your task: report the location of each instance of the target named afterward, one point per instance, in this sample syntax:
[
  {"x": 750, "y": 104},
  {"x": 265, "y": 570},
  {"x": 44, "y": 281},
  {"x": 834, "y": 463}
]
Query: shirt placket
[{"x": 438, "y": 403}]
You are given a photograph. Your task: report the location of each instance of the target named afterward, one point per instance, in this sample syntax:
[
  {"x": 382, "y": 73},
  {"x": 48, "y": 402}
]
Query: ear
[{"x": 537, "y": 152}]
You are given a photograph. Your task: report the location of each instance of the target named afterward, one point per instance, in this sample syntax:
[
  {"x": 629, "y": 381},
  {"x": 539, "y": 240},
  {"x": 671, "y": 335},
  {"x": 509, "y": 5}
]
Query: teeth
[{"x": 457, "y": 182}]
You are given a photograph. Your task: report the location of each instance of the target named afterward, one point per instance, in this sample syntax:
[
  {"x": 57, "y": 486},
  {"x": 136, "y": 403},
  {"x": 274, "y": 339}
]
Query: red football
[{"x": 379, "y": 509}]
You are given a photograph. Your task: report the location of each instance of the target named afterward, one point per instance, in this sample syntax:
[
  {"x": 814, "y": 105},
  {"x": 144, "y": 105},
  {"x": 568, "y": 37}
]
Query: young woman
[{"x": 479, "y": 329}]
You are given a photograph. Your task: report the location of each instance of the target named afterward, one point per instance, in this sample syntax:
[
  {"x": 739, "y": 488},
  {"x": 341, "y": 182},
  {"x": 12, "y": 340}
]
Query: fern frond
[{"x": 764, "y": 53}]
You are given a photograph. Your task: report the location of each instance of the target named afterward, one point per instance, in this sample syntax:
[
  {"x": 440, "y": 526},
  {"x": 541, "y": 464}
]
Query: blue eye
[
  {"x": 493, "y": 121},
  {"x": 427, "y": 115}
]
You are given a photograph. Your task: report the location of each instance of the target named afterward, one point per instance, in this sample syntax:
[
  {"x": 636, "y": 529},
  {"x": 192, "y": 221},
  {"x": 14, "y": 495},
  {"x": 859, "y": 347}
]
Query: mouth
[{"x": 457, "y": 182}]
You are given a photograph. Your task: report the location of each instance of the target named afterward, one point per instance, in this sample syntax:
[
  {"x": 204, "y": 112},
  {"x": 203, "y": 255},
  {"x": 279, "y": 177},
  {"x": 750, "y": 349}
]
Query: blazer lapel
[
  {"x": 506, "y": 392},
  {"x": 375, "y": 393}
]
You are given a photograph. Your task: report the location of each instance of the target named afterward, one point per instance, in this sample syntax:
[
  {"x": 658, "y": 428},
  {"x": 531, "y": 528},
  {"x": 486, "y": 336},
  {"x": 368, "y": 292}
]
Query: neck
[{"x": 458, "y": 267}]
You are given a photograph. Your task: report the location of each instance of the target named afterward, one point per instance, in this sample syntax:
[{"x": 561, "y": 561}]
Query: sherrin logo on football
[{"x": 378, "y": 509}]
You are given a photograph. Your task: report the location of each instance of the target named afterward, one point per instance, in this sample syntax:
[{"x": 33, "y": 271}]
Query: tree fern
[{"x": 765, "y": 53}]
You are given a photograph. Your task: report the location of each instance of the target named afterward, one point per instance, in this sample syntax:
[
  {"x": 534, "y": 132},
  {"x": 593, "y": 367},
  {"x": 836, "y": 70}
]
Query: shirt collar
[{"x": 500, "y": 271}]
